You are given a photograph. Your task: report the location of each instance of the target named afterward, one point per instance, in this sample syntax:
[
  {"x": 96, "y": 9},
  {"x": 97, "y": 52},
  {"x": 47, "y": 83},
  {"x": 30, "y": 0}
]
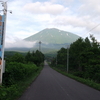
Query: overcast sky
[{"x": 31, "y": 16}]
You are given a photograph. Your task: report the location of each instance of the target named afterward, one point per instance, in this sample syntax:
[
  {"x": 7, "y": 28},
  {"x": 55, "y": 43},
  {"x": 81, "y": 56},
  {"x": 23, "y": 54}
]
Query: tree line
[
  {"x": 33, "y": 57},
  {"x": 84, "y": 58}
]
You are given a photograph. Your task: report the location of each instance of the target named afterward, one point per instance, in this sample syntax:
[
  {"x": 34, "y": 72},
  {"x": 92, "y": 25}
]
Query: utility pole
[
  {"x": 56, "y": 60},
  {"x": 67, "y": 58},
  {"x": 2, "y": 37}
]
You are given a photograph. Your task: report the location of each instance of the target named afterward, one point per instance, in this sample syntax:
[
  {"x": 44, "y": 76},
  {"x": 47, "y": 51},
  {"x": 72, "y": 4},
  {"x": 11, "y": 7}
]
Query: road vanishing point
[{"x": 51, "y": 85}]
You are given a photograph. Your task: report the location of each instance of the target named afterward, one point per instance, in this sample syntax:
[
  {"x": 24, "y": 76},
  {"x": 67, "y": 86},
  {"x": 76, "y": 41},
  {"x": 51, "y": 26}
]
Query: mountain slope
[{"x": 53, "y": 36}]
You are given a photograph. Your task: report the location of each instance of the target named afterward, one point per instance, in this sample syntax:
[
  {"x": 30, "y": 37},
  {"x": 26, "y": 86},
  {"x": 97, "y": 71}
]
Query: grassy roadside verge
[
  {"x": 25, "y": 84},
  {"x": 84, "y": 81},
  {"x": 15, "y": 91}
]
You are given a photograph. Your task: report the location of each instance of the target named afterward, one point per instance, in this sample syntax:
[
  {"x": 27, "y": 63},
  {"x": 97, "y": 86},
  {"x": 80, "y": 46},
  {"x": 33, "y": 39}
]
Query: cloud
[
  {"x": 64, "y": 2},
  {"x": 23, "y": 34},
  {"x": 90, "y": 7},
  {"x": 70, "y": 20},
  {"x": 81, "y": 26},
  {"x": 20, "y": 44},
  {"x": 29, "y": 17},
  {"x": 44, "y": 8}
]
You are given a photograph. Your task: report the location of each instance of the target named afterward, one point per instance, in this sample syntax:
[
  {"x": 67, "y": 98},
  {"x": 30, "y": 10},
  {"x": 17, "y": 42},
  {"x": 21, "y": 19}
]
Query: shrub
[{"x": 17, "y": 72}]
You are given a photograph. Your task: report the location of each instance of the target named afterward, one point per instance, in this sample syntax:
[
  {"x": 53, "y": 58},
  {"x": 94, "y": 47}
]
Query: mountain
[
  {"x": 52, "y": 40},
  {"x": 53, "y": 36}
]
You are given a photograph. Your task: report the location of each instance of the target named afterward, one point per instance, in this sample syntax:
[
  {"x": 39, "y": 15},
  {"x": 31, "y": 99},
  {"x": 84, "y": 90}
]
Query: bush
[
  {"x": 9, "y": 93},
  {"x": 79, "y": 74},
  {"x": 17, "y": 72},
  {"x": 17, "y": 78},
  {"x": 96, "y": 77}
]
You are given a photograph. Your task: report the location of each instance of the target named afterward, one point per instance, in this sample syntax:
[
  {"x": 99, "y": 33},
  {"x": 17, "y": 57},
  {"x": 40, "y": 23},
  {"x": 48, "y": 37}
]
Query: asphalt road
[{"x": 51, "y": 85}]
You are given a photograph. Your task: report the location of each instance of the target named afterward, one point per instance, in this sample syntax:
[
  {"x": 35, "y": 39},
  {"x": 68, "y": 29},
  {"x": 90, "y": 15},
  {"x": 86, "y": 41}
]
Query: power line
[{"x": 92, "y": 29}]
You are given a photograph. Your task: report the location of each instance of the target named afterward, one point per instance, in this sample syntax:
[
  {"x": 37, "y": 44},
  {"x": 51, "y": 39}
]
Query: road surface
[{"x": 51, "y": 85}]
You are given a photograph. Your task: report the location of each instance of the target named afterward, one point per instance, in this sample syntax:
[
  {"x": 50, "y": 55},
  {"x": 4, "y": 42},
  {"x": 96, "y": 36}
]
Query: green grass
[{"x": 88, "y": 82}]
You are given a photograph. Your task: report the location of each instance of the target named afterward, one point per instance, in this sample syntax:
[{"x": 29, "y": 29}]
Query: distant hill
[{"x": 53, "y": 36}]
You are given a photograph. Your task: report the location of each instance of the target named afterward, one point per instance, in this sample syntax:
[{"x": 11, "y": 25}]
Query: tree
[
  {"x": 75, "y": 50},
  {"x": 39, "y": 57},
  {"x": 28, "y": 57},
  {"x": 17, "y": 57},
  {"x": 87, "y": 43},
  {"x": 35, "y": 57},
  {"x": 94, "y": 42},
  {"x": 62, "y": 56}
]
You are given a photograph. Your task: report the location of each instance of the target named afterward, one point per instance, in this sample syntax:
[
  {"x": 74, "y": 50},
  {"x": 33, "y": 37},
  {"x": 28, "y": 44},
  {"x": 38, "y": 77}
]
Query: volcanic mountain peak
[{"x": 53, "y": 36}]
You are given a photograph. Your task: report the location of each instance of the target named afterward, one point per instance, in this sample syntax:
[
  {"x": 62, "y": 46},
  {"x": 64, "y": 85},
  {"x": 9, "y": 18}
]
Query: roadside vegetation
[
  {"x": 20, "y": 71},
  {"x": 84, "y": 61}
]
